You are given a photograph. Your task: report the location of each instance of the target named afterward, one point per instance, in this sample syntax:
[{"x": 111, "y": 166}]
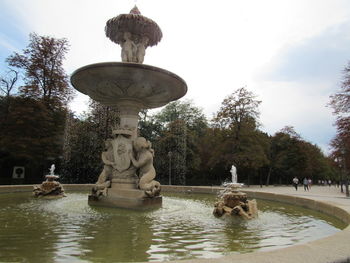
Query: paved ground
[{"x": 321, "y": 193}]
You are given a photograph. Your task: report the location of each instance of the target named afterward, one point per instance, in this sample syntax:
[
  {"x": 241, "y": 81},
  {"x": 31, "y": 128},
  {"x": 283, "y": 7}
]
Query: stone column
[{"x": 129, "y": 115}]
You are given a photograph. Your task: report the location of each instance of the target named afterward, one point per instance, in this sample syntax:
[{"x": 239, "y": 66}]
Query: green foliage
[
  {"x": 83, "y": 143},
  {"x": 32, "y": 124},
  {"x": 30, "y": 130},
  {"x": 291, "y": 157},
  {"x": 175, "y": 133},
  {"x": 82, "y": 151}
]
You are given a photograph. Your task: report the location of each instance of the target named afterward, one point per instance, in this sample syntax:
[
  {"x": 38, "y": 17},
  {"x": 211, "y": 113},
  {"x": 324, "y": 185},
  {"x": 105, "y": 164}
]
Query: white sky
[{"x": 289, "y": 53}]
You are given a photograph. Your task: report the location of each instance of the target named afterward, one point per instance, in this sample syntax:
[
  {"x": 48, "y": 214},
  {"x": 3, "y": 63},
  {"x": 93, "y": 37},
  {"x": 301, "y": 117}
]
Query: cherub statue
[
  {"x": 141, "y": 49},
  {"x": 104, "y": 179},
  {"x": 144, "y": 161},
  {"x": 128, "y": 48}
]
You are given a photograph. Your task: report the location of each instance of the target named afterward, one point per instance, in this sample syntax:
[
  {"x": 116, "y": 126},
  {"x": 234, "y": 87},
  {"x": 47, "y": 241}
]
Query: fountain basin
[
  {"x": 324, "y": 250},
  {"x": 116, "y": 84}
]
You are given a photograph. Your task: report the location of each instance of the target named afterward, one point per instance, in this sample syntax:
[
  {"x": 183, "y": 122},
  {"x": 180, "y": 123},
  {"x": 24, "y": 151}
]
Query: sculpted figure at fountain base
[
  {"x": 235, "y": 203},
  {"x": 127, "y": 181},
  {"x": 144, "y": 162},
  {"x": 49, "y": 188}
]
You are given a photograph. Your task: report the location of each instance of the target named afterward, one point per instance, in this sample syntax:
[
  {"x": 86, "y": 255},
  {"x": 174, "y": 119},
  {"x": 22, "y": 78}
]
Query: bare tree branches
[{"x": 8, "y": 82}]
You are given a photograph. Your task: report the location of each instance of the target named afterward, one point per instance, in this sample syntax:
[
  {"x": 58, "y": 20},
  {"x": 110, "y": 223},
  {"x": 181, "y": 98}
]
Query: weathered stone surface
[
  {"x": 49, "y": 188},
  {"x": 235, "y": 203},
  {"x": 134, "y": 86}
]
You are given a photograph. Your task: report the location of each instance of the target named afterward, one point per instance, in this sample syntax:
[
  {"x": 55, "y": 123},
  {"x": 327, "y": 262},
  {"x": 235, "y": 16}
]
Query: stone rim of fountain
[{"x": 121, "y": 86}]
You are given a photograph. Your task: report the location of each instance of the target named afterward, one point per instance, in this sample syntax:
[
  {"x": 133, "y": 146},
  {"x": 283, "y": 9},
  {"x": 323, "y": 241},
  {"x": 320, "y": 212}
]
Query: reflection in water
[{"x": 69, "y": 230}]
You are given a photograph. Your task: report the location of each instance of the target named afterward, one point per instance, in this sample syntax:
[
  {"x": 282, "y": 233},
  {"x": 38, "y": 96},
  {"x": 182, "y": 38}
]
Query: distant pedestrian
[
  {"x": 329, "y": 182},
  {"x": 295, "y": 183},
  {"x": 306, "y": 184},
  {"x": 309, "y": 183}
]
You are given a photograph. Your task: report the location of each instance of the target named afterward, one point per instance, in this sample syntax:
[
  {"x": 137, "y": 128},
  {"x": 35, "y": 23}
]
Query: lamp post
[{"x": 169, "y": 155}]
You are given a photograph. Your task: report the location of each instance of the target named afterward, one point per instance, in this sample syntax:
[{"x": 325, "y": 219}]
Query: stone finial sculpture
[
  {"x": 49, "y": 188},
  {"x": 134, "y": 33},
  {"x": 235, "y": 203}
]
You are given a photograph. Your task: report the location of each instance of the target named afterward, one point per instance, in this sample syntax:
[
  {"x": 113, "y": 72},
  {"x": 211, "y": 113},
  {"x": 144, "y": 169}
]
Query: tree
[
  {"x": 30, "y": 135},
  {"x": 241, "y": 144},
  {"x": 175, "y": 133},
  {"x": 340, "y": 102},
  {"x": 238, "y": 110},
  {"x": 8, "y": 82},
  {"x": 82, "y": 150},
  {"x": 32, "y": 123},
  {"x": 291, "y": 156},
  {"x": 103, "y": 119},
  {"x": 186, "y": 111},
  {"x": 83, "y": 142},
  {"x": 42, "y": 65}
]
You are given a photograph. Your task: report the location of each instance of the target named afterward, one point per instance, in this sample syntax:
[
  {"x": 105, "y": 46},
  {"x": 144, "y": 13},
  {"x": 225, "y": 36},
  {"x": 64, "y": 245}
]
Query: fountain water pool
[{"x": 69, "y": 230}]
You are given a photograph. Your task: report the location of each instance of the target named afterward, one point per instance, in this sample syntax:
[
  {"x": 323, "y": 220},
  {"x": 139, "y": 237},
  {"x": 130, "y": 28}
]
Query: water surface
[{"x": 68, "y": 229}]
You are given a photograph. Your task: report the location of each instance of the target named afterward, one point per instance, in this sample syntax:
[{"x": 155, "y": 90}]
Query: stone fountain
[
  {"x": 127, "y": 179},
  {"x": 49, "y": 188},
  {"x": 233, "y": 202}
]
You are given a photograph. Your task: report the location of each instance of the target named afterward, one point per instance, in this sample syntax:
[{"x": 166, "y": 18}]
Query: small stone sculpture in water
[
  {"x": 49, "y": 188},
  {"x": 235, "y": 203},
  {"x": 144, "y": 163}
]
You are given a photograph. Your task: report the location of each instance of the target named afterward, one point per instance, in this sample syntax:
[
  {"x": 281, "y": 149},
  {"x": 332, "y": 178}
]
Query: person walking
[
  {"x": 295, "y": 183},
  {"x": 306, "y": 184},
  {"x": 309, "y": 183}
]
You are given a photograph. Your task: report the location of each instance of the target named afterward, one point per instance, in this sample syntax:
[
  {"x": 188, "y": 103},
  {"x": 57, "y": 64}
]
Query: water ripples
[{"x": 68, "y": 229}]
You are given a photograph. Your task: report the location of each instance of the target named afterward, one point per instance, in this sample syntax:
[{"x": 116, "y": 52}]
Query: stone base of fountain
[
  {"x": 49, "y": 189},
  {"x": 235, "y": 203},
  {"x": 125, "y": 196}
]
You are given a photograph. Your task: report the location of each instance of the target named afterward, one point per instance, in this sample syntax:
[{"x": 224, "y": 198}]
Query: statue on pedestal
[
  {"x": 50, "y": 188},
  {"x": 144, "y": 162},
  {"x": 104, "y": 180},
  {"x": 128, "y": 168}
]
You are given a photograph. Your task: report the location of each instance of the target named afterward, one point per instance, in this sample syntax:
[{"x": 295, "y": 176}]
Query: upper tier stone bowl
[{"x": 117, "y": 83}]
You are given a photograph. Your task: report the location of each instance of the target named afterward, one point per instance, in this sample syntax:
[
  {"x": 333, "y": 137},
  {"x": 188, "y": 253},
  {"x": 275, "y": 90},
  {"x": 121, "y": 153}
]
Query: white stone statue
[
  {"x": 52, "y": 169},
  {"x": 141, "y": 49},
  {"x": 234, "y": 174},
  {"x": 128, "y": 48},
  {"x": 104, "y": 179},
  {"x": 144, "y": 161}
]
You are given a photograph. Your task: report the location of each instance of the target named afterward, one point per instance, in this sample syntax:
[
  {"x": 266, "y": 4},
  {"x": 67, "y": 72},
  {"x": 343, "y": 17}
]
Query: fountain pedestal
[
  {"x": 233, "y": 202},
  {"x": 50, "y": 188},
  {"x": 120, "y": 196}
]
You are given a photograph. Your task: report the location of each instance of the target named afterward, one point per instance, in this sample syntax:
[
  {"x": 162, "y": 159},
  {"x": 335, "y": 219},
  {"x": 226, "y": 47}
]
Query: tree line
[{"x": 37, "y": 128}]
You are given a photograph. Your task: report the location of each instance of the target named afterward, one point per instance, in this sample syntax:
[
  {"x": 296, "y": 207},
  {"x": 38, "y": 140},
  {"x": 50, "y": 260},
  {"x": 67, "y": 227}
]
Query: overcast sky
[{"x": 289, "y": 53}]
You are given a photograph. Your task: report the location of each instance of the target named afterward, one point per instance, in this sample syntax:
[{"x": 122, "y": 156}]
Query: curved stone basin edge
[{"x": 332, "y": 249}]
